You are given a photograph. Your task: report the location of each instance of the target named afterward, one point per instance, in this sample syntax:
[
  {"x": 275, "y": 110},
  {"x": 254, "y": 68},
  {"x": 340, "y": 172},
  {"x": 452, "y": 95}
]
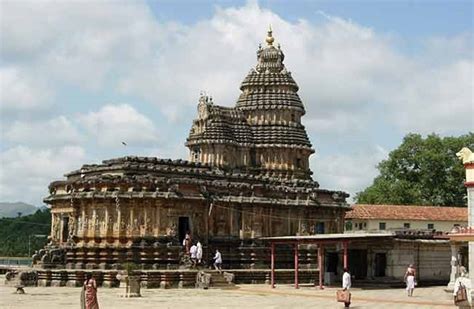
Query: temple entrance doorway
[
  {"x": 380, "y": 264},
  {"x": 65, "y": 230},
  {"x": 183, "y": 227},
  {"x": 358, "y": 263},
  {"x": 332, "y": 260}
]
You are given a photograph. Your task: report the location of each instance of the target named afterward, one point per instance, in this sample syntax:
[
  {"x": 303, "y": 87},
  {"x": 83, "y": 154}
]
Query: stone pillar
[
  {"x": 106, "y": 221},
  {"x": 468, "y": 160},
  {"x": 131, "y": 218},
  {"x": 157, "y": 220},
  {"x": 119, "y": 218},
  {"x": 454, "y": 265},
  {"x": 94, "y": 222},
  {"x": 84, "y": 221},
  {"x": 470, "y": 205},
  {"x": 53, "y": 225},
  {"x": 145, "y": 222}
]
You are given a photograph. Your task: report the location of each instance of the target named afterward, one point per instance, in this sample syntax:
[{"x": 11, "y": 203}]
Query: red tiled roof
[{"x": 407, "y": 212}]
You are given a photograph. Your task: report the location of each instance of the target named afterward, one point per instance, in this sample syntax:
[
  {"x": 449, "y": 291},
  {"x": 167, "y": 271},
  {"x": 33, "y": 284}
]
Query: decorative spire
[{"x": 270, "y": 38}]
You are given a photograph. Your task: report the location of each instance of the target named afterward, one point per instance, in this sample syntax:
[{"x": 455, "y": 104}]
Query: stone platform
[{"x": 168, "y": 278}]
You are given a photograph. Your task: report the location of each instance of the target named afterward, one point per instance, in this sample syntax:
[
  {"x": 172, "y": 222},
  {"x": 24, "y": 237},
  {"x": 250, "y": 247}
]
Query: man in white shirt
[
  {"x": 218, "y": 260},
  {"x": 193, "y": 253},
  {"x": 346, "y": 283}
]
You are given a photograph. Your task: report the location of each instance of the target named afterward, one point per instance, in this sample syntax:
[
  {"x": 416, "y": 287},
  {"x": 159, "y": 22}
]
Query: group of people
[
  {"x": 409, "y": 279},
  {"x": 462, "y": 282},
  {"x": 195, "y": 252}
]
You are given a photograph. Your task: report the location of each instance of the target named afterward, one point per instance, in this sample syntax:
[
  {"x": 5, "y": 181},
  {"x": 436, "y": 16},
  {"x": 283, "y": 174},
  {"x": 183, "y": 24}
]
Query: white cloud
[
  {"x": 350, "y": 172},
  {"x": 344, "y": 69},
  {"x": 25, "y": 173},
  {"x": 438, "y": 100},
  {"x": 21, "y": 91},
  {"x": 114, "y": 124},
  {"x": 54, "y": 132},
  {"x": 352, "y": 78}
]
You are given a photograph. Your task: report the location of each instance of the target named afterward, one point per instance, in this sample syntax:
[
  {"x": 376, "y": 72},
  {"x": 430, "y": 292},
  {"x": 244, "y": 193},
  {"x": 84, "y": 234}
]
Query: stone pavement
[{"x": 242, "y": 297}]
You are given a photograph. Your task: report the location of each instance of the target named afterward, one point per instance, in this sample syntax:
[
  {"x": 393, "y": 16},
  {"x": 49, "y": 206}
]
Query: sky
[{"x": 79, "y": 77}]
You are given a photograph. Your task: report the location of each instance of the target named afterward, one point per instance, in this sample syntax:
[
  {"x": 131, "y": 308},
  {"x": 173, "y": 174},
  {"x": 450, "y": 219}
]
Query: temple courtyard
[{"x": 240, "y": 296}]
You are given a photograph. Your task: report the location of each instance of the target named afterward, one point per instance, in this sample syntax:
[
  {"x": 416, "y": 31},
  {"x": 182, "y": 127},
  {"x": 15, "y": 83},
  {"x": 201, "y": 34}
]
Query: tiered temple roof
[
  {"x": 224, "y": 125},
  {"x": 265, "y": 123},
  {"x": 150, "y": 177}
]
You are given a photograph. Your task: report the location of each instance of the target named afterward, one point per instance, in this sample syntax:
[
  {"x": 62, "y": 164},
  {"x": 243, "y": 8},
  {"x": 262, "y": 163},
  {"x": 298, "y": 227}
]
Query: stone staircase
[
  {"x": 222, "y": 280},
  {"x": 214, "y": 279}
]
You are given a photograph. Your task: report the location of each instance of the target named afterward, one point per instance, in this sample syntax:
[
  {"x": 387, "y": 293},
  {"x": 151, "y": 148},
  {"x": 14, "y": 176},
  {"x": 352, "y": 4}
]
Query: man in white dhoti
[
  {"x": 199, "y": 252},
  {"x": 410, "y": 276}
]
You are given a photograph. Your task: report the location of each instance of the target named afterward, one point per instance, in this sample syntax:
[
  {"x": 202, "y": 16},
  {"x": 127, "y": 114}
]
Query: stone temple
[{"x": 247, "y": 177}]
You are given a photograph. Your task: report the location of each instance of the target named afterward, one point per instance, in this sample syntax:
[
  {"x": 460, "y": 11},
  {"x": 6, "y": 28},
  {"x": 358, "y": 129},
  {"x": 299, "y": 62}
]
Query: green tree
[
  {"x": 421, "y": 171},
  {"x": 14, "y": 233}
]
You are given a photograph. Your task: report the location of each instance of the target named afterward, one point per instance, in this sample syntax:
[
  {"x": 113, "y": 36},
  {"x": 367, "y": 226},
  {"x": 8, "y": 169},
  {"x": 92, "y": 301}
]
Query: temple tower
[
  {"x": 263, "y": 132},
  {"x": 273, "y": 109}
]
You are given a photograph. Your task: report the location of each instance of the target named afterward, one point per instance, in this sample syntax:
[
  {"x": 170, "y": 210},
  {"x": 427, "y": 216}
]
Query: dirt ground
[{"x": 241, "y": 297}]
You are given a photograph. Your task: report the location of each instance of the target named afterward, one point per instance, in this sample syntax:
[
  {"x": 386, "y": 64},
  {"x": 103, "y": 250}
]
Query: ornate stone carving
[
  {"x": 466, "y": 155},
  {"x": 171, "y": 230}
]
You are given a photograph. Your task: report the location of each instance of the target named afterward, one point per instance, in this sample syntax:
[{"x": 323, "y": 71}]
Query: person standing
[
  {"x": 193, "y": 253},
  {"x": 410, "y": 276},
  {"x": 89, "y": 294},
  {"x": 346, "y": 285},
  {"x": 187, "y": 242},
  {"x": 463, "y": 281},
  {"x": 199, "y": 252},
  {"x": 218, "y": 260}
]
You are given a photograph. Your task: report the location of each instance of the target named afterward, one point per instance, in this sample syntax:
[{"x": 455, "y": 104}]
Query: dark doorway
[
  {"x": 380, "y": 264},
  {"x": 463, "y": 256},
  {"x": 358, "y": 263},
  {"x": 332, "y": 259},
  {"x": 183, "y": 227},
  {"x": 65, "y": 230}
]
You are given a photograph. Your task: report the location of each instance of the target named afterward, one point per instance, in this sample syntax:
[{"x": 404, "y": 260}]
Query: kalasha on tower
[{"x": 248, "y": 177}]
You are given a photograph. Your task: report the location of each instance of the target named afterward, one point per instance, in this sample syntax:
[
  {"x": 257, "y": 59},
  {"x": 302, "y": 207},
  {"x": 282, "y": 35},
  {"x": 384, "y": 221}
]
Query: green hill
[
  {"x": 15, "y": 233},
  {"x": 11, "y": 210}
]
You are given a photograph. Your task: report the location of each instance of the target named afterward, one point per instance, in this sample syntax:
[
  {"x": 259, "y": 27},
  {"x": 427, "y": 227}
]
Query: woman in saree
[{"x": 89, "y": 293}]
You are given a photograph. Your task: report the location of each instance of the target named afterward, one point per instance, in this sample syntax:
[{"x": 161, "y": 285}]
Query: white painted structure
[{"x": 375, "y": 218}]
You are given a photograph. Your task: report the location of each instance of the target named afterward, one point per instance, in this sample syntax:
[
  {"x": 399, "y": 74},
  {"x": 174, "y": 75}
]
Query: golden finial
[{"x": 270, "y": 38}]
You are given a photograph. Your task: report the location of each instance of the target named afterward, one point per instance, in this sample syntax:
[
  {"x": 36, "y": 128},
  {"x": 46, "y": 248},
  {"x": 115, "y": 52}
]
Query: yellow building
[{"x": 371, "y": 218}]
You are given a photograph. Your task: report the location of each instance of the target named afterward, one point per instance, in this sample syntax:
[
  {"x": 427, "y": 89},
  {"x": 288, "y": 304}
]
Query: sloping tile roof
[{"x": 407, "y": 212}]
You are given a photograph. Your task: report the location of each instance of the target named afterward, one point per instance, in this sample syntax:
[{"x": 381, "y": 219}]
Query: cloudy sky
[{"x": 79, "y": 77}]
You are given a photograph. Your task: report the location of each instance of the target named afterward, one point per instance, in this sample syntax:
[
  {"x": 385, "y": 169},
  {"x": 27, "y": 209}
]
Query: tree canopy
[
  {"x": 421, "y": 171},
  {"x": 14, "y": 233}
]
